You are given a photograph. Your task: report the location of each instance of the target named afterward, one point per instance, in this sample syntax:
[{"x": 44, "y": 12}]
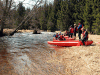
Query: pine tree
[
  {"x": 51, "y": 21},
  {"x": 21, "y": 10},
  {"x": 21, "y": 13},
  {"x": 96, "y": 17},
  {"x": 88, "y": 14},
  {"x": 44, "y": 16}
]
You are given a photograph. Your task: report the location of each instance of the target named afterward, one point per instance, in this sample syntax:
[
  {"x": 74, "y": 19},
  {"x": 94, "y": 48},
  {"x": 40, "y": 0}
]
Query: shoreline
[
  {"x": 23, "y": 30},
  {"x": 8, "y": 31}
]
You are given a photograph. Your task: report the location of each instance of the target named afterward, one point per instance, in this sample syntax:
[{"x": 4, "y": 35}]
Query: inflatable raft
[{"x": 69, "y": 43}]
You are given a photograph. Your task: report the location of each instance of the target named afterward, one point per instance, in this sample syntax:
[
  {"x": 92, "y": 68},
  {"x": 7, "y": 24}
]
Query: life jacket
[
  {"x": 59, "y": 33},
  {"x": 84, "y": 34},
  {"x": 71, "y": 30},
  {"x": 61, "y": 37},
  {"x": 56, "y": 36}
]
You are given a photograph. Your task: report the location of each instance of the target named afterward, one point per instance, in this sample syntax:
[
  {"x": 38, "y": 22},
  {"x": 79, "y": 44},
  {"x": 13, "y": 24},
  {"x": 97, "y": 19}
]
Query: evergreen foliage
[
  {"x": 63, "y": 13},
  {"x": 60, "y": 14},
  {"x": 21, "y": 13}
]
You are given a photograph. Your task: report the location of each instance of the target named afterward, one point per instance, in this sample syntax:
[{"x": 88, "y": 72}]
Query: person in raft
[
  {"x": 60, "y": 33},
  {"x": 66, "y": 33},
  {"x": 75, "y": 30},
  {"x": 56, "y": 36},
  {"x": 61, "y": 37},
  {"x": 80, "y": 26},
  {"x": 71, "y": 31},
  {"x": 85, "y": 35}
]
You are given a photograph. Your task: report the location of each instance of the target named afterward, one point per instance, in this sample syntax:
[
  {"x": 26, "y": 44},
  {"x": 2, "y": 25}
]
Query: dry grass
[
  {"x": 23, "y": 31},
  {"x": 8, "y": 31},
  {"x": 11, "y": 30}
]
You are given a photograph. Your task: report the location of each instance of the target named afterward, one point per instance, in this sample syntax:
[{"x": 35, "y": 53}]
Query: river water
[{"x": 29, "y": 54}]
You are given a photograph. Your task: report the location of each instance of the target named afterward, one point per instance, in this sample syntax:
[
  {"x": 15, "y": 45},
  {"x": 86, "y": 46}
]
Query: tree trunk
[
  {"x": 1, "y": 31},
  {"x": 2, "y": 27},
  {"x": 3, "y": 22}
]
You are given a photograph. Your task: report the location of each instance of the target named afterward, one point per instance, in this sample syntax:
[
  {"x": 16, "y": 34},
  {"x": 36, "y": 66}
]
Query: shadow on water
[{"x": 28, "y": 54}]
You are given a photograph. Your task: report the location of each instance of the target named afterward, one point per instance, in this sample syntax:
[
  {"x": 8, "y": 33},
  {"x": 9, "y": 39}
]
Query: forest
[{"x": 58, "y": 15}]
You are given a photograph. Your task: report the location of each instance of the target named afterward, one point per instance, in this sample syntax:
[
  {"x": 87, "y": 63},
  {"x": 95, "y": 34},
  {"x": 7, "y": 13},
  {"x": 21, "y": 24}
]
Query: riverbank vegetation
[{"x": 58, "y": 15}]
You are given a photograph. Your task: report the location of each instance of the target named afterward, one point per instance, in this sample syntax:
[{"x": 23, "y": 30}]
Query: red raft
[{"x": 69, "y": 43}]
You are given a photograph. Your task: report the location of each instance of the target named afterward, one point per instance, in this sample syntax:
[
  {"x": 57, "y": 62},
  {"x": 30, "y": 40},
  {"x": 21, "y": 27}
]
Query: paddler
[
  {"x": 60, "y": 33},
  {"x": 61, "y": 37},
  {"x": 85, "y": 35},
  {"x": 66, "y": 33},
  {"x": 71, "y": 31},
  {"x": 56, "y": 36}
]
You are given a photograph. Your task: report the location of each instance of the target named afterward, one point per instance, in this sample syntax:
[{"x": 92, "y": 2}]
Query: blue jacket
[{"x": 80, "y": 26}]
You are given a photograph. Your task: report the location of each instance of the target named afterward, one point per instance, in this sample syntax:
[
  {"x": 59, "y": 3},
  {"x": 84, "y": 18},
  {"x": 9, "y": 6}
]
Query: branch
[
  {"x": 29, "y": 14},
  {"x": 10, "y": 5},
  {"x": 1, "y": 5},
  {"x": 6, "y": 3}
]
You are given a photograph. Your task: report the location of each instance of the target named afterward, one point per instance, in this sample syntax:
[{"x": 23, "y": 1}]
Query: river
[{"x": 29, "y": 54}]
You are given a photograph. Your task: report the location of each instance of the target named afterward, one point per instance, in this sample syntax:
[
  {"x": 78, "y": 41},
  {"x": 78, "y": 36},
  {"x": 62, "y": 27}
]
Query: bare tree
[
  {"x": 29, "y": 16},
  {"x": 6, "y": 6}
]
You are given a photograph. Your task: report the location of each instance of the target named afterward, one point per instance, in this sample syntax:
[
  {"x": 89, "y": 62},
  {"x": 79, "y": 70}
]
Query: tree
[
  {"x": 44, "y": 16},
  {"x": 88, "y": 14},
  {"x": 96, "y": 17},
  {"x": 5, "y": 8},
  {"x": 29, "y": 16},
  {"x": 50, "y": 23},
  {"x": 21, "y": 14}
]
